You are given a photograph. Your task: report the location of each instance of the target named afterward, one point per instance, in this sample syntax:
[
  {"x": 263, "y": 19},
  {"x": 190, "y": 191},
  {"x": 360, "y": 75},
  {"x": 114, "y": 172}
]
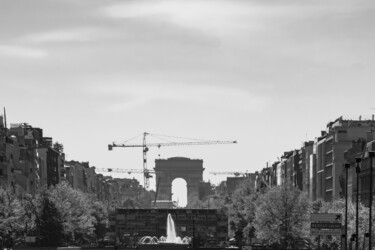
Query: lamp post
[
  {"x": 371, "y": 155},
  {"x": 347, "y": 166},
  {"x": 193, "y": 233},
  {"x": 357, "y": 170}
]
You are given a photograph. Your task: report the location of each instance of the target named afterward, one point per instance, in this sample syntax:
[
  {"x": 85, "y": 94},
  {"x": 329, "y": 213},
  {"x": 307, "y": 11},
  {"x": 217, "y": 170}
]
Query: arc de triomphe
[{"x": 166, "y": 170}]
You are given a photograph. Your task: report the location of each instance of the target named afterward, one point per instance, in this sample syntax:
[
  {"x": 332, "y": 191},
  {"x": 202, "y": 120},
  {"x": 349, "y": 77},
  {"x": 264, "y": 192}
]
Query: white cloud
[
  {"x": 218, "y": 97},
  {"x": 210, "y": 16},
  {"x": 73, "y": 35},
  {"x": 22, "y": 52}
]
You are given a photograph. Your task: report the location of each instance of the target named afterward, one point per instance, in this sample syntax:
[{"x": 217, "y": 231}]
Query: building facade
[
  {"x": 129, "y": 225},
  {"x": 317, "y": 167}
]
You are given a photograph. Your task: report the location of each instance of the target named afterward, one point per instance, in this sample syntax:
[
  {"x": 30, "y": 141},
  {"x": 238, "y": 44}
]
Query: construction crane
[
  {"x": 145, "y": 146},
  {"x": 229, "y": 173},
  {"x": 121, "y": 170}
]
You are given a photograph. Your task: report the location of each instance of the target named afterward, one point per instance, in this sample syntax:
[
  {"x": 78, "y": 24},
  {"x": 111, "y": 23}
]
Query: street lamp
[
  {"x": 371, "y": 155},
  {"x": 357, "y": 170},
  {"x": 347, "y": 166}
]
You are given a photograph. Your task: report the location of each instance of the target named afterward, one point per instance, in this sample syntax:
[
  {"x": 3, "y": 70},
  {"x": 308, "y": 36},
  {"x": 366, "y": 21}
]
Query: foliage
[
  {"x": 50, "y": 225},
  {"x": 338, "y": 206},
  {"x": 58, "y": 147},
  {"x": 76, "y": 213},
  {"x": 100, "y": 213},
  {"x": 11, "y": 216},
  {"x": 239, "y": 207},
  {"x": 282, "y": 216}
]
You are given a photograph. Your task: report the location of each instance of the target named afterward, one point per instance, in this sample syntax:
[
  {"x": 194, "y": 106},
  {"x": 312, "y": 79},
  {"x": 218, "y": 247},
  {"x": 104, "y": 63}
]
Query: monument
[{"x": 178, "y": 167}]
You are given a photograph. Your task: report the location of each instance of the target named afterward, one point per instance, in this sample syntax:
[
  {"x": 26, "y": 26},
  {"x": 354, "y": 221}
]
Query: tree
[
  {"x": 100, "y": 213},
  {"x": 58, "y": 147},
  {"x": 282, "y": 216},
  {"x": 11, "y": 214},
  {"x": 50, "y": 226},
  {"x": 76, "y": 213},
  {"x": 338, "y": 206}
]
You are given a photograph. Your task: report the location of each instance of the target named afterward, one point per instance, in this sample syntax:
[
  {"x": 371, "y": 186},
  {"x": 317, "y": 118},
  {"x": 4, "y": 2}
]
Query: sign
[
  {"x": 317, "y": 232},
  {"x": 326, "y": 218},
  {"x": 326, "y": 224}
]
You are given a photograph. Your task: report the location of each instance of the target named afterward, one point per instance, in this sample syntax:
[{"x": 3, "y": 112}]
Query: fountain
[{"x": 172, "y": 241}]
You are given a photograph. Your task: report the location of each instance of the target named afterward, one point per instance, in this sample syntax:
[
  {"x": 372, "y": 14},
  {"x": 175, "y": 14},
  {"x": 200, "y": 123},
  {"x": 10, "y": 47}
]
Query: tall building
[
  {"x": 22, "y": 141},
  {"x": 307, "y": 164},
  {"x": 330, "y": 149},
  {"x": 75, "y": 175},
  {"x": 51, "y": 163}
]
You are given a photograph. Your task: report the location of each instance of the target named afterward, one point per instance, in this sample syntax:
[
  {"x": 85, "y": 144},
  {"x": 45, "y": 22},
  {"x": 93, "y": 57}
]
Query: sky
[{"x": 269, "y": 74}]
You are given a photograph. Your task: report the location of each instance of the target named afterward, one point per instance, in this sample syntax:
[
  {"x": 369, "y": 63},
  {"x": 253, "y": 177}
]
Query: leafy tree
[
  {"x": 76, "y": 213},
  {"x": 241, "y": 212},
  {"x": 11, "y": 214},
  {"x": 282, "y": 215},
  {"x": 238, "y": 206},
  {"x": 338, "y": 206},
  {"x": 100, "y": 213},
  {"x": 58, "y": 147},
  {"x": 50, "y": 225},
  {"x": 31, "y": 216}
]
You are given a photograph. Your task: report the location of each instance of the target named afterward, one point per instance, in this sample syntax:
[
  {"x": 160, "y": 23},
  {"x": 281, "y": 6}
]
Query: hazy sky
[{"x": 269, "y": 74}]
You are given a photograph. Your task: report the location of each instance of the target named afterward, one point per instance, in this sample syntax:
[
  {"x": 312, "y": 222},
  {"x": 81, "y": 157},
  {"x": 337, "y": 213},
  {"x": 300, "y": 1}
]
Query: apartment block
[
  {"x": 330, "y": 150},
  {"x": 22, "y": 141}
]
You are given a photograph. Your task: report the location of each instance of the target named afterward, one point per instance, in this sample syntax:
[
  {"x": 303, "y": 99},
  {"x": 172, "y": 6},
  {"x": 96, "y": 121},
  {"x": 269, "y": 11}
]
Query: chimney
[
  {"x": 360, "y": 117},
  {"x": 373, "y": 117}
]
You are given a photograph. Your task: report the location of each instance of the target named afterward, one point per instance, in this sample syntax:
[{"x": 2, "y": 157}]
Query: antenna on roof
[{"x": 5, "y": 119}]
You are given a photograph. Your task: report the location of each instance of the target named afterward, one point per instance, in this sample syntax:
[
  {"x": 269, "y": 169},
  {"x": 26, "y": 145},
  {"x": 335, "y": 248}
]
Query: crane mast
[
  {"x": 145, "y": 173},
  {"x": 145, "y": 147}
]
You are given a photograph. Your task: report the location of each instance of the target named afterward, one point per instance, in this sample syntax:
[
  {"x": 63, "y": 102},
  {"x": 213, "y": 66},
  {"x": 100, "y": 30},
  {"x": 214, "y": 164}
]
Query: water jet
[{"x": 169, "y": 242}]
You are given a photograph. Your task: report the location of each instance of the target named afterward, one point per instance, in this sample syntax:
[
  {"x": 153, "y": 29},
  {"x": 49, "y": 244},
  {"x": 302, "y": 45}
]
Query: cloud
[
  {"x": 22, "y": 52},
  {"x": 72, "y": 35},
  {"x": 218, "y": 97},
  {"x": 210, "y": 16}
]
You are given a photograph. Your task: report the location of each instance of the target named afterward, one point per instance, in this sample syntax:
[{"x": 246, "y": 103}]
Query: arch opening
[{"x": 179, "y": 192}]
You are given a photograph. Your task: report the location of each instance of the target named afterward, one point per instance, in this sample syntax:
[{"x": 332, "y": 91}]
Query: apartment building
[
  {"x": 317, "y": 167},
  {"x": 50, "y": 161},
  {"x": 22, "y": 141},
  {"x": 330, "y": 150}
]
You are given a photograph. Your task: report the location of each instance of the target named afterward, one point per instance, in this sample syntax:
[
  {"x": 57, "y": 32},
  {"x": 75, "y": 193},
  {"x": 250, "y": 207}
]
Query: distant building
[
  {"x": 49, "y": 160},
  {"x": 75, "y": 175},
  {"x": 232, "y": 183}
]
